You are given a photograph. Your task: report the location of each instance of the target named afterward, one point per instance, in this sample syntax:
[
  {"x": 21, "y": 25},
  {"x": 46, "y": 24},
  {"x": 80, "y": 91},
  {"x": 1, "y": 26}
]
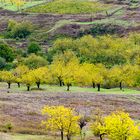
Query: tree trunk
[
  {"x": 60, "y": 81},
  {"x": 18, "y": 84},
  {"x": 101, "y": 137},
  {"x": 62, "y": 136},
  {"x": 121, "y": 86},
  {"x": 9, "y": 85},
  {"x": 68, "y": 137},
  {"x": 68, "y": 87},
  {"x": 63, "y": 83},
  {"x": 98, "y": 86},
  {"x": 38, "y": 84},
  {"x": 28, "y": 88},
  {"x": 93, "y": 85}
]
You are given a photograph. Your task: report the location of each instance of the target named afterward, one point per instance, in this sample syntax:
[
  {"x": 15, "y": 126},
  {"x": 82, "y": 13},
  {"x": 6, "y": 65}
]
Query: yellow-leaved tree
[
  {"x": 40, "y": 75},
  {"x": 98, "y": 125},
  {"x": 28, "y": 80},
  {"x": 61, "y": 119},
  {"x": 57, "y": 70},
  {"x": 18, "y": 72},
  {"x": 98, "y": 75},
  {"x": 116, "y": 126},
  {"x": 69, "y": 72},
  {"x": 120, "y": 126},
  {"x": 84, "y": 75},
  {"x": 8, "y": 77}
]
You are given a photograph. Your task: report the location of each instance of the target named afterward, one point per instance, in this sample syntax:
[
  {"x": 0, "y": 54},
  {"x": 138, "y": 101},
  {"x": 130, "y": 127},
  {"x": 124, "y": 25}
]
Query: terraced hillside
[{"x": 122, "y": 16}]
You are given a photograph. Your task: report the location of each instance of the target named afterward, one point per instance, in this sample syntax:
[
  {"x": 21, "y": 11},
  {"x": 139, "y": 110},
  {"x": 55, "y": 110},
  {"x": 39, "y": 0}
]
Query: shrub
[
  {"x": 34, "y": 61},
  {"x": 6, "y": 127},
  {"x": 6, "y": 52},
  {"x": 33, "y": 47},
  {"x": 102, "y": 29},
  {"x": 2, "y": 63},
  {"x": 19, "y": 30}
]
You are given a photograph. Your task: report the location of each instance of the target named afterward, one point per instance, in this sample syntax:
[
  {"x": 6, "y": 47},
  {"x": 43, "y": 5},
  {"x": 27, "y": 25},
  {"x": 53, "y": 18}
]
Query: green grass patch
[
  {"x": 29, "y": 137},
  {"x": 70, "y": 7},
  {"x": 113, "y": 21},
  {"x": 10, "y": 7},
  {"x": 73, "y": 89},
  {"x": 36, "y": 137}
]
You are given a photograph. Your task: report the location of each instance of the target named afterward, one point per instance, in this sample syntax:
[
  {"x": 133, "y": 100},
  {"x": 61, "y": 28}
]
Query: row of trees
[
  {"x": 116, "y": 126},
  {"x": 108, "y": 50},
  {"x": 70, "y": 72}
]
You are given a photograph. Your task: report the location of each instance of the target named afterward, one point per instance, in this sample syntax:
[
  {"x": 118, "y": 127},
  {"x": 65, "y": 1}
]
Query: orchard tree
[
  {"x": 99, "y": 72},
  {"x": 57, "y": 70},
  {"x": 8, "y": 77},
  {"x": 62, "y": 119},
  {"x": 40, "y": 75},
  {"x": 18, "y": 72},
  {"x": 115, "y": 76},
  {"x": 59, "y": 63},
  {"x": 127, "y": 75},
  {"x": 69, "y": 72},
  {"x": 120, "y": 126},
  {"x": 84, "y": 75},
  {"x": 98, "y": 125},
  {"x": 91, "y": 69},
  {"x": 130, "y": 74},
  {"x": 28, "y": 80}
]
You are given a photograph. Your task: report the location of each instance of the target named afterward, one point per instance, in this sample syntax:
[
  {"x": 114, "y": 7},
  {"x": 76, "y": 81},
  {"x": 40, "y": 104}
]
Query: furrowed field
[
  {"x": 69, "y": 69},
  {"x": 23, "y": 109}
]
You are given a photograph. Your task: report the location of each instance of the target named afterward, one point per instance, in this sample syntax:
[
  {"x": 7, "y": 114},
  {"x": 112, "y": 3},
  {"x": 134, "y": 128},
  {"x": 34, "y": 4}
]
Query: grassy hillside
[
  {"x": 70, "y": 7},
  {"x": 13, "y": 7}
]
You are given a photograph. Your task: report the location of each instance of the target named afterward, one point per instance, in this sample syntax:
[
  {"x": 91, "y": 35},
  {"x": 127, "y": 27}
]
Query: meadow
[
  {"x": 69, "y": 70},
  {"x": 13, "y": 7},
  {"x": 70, "y": 7},
  {"x": 23, "y": 109}
]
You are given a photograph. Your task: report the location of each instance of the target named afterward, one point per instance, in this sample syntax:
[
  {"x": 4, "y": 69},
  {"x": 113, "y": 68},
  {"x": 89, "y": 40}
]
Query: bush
[
  {"x": 102, "y": 29},
  {"x": 34, "y": 61},
  {"x": 2, "y": 63},
  {"x": 6, "y": 52},
  {"x": 9, "y": 66},
  {"x": 6, "y": 127},
  {"x": 19, "y": 30},
  {"x": 33, "y": 48}
]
